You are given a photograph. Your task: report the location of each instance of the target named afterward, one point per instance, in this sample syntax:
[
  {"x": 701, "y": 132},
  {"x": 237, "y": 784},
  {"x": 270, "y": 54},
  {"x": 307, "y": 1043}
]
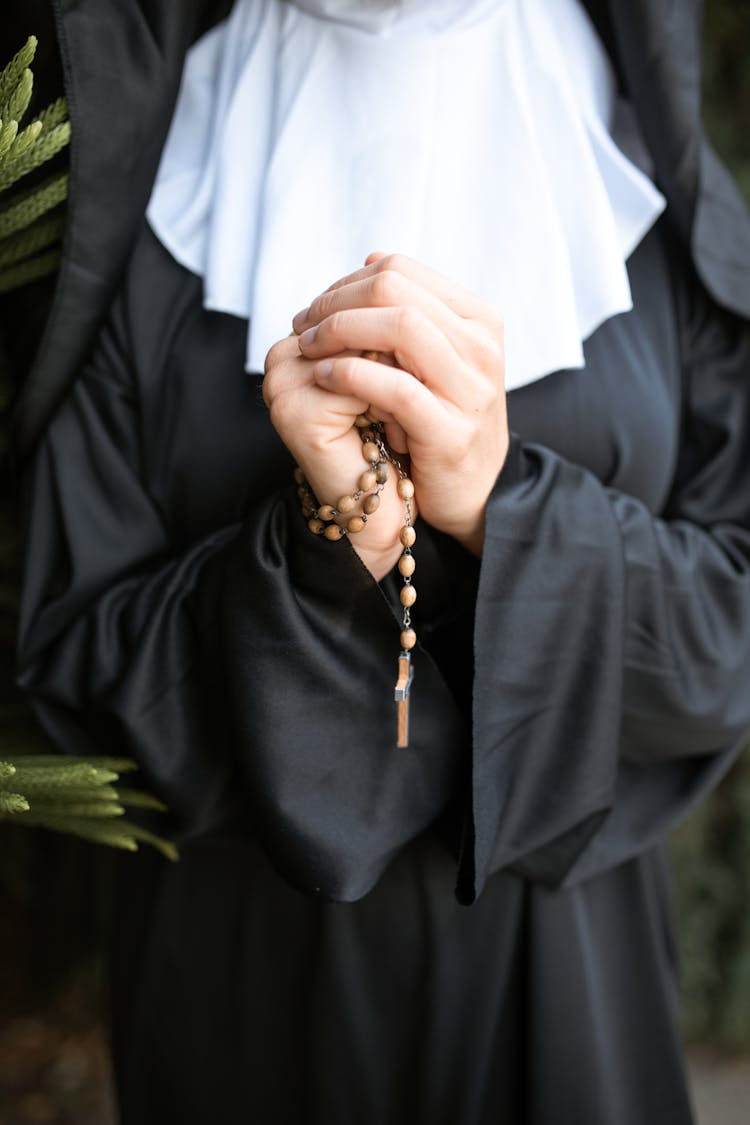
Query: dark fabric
[
  {"x": 177, "y": 608},
  {"x": 122, "y": 61}
]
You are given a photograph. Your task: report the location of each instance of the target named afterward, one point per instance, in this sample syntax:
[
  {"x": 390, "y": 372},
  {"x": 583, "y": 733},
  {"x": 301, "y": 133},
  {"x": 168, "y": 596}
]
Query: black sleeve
[
  {"x": 251, "y": 676},
  {"x": 612, "y": 683}
]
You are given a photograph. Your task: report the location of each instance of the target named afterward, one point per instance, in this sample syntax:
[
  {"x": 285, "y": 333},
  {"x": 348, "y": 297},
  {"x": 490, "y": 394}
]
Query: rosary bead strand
[{"x": 321, "y": 520}]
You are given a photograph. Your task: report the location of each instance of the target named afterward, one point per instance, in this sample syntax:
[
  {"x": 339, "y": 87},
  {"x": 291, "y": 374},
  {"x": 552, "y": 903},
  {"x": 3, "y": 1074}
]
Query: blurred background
[{"x": 55, "y": 900}]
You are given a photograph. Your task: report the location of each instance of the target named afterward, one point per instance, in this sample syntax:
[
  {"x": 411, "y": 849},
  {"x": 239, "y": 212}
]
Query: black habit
[{"x": 576, "y": 693}]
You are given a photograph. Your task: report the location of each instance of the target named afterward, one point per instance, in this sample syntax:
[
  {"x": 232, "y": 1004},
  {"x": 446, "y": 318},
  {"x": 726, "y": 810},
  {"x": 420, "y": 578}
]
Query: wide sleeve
[
  {"x": 612, "y": 647},
  {"x": 250, "y": 674}
]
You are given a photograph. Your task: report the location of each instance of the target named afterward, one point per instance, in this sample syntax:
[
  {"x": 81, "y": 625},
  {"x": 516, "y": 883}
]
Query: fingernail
[
  {"x": 307, "y": 337},
  {"x": 300, "y": 317},
  {"x": 324, "y": 369}
]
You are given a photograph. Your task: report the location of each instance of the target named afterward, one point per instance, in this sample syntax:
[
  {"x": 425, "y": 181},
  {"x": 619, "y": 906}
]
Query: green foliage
[
  {"x": 27, "y": 230},
  {"x": 76, "y": 795}
]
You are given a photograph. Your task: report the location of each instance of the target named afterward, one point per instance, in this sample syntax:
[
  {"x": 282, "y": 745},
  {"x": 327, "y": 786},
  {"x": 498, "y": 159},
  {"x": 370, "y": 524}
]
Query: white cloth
[{"x": 476, "y": 136}]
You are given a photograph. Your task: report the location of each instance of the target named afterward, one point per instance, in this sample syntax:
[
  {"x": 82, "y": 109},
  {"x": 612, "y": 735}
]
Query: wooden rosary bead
[
  {"x": 325, "y": 512},
  {"x": 346, "y": 504},
  {"x": 307, "y": 511},
  {"x": 381, "y": 472},
  {"x": 370, "y": 452},
  {"x": 405, "y": 488},
  {"x": 371, "y": 504},
  {"x": 406, "y": 566},
  {"x": 408, "y": 639},
  {"x": 355, "y": 524},
  {"x": 408, "y": 595},
  {"x": 334, "y": 532},
  {"x": 299, "y": 476},
  {"x": 408, "y": 536},
  {"x": 316, "y": 526},
  {"x": 302, "y": 492},
  {"x": 368, "y": 480},
  {"x": 361, "y": 421}
]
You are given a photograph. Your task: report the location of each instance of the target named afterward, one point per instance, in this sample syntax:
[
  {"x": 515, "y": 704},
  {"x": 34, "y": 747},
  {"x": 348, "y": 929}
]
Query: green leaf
[
  {"x": 42, "y": 149},
  {"x": 54, "y": 114},
  {"x": 8, "y": 133},
  {"x": 19, "y": 100},
  {"x": 26, "y": 208},
  {"x": 10, "y": 76},
  {"x": 26, "y": 243}
]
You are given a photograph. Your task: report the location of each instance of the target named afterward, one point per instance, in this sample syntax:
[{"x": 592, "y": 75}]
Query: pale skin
[{"x": 443, "y": 401}]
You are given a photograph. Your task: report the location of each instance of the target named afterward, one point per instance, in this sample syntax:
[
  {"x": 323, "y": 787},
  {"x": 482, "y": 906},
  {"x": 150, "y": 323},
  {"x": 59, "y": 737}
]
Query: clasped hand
[{"x": 443, "y": 401}]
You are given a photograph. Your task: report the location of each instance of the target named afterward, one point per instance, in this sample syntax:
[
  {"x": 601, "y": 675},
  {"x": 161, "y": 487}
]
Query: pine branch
[
  {"x": 54, "y": 114},
  {"x": 36, "y": 148},
  {"x": 78, "y": 796},
  {"x": 23, "y": 210},
  {"x": 25, "y": 258},
  {"x": 26, "y": 243}
]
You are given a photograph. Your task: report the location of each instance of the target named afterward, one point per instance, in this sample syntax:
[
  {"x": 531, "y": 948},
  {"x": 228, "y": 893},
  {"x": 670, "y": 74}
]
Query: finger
[
  {"x": 386, "y": 289},
  {"x": 394, "y": 432},
  {"x": 395, "y": 435},
  {"x": 286, "y": 369},
  {"x": 387, "y": 389},
  {"x": 312, "y": 411},
  {"x": 462, "y": 301},
  {"x": 281, "y": 351},
  {"x": 417, "y": 344}
]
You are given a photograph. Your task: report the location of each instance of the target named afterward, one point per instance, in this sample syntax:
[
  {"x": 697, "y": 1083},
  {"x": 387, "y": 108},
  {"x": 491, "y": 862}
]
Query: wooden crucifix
[{"x": 401, "y": 695}]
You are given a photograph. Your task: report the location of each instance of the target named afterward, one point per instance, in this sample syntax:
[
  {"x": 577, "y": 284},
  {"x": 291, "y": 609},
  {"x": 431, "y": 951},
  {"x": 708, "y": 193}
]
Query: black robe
[{"x": 576, "y": 693}]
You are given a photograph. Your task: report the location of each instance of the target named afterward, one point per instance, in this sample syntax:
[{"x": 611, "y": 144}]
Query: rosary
[{"x": 322, "y": 520}]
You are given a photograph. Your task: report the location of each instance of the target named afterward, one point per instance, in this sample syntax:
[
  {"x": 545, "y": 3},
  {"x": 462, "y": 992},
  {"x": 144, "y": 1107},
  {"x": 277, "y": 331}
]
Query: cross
[{"x": 401, "y": 696}]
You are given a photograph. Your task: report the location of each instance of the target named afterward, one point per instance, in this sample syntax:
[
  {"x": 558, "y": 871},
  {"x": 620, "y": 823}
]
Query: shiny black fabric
[{"x": 575, "y": 695}]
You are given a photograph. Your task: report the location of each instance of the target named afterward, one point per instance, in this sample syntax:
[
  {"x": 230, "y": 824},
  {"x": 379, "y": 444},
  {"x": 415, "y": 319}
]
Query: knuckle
[
  {"x": 386, "y": 288},
  {"x": 335, "y": 326},
  {"x": 345, "y": 370},
  {"x": 490, "y": 351},
  {"x": 486, "y": 397},
  {"x": 407, "y": 393},
  {"x": 396, "y": 263},
  {"x": 409, "y": 321},
  {"x": 321, "y": 307},
  {"x": 462, "y": 444}
]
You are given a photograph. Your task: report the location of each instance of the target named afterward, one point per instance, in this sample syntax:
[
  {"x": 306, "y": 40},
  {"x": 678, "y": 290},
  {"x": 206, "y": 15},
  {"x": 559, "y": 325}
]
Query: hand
[
  {"x": 447, "y": 393},
  {"x": 316, "y": 426}
]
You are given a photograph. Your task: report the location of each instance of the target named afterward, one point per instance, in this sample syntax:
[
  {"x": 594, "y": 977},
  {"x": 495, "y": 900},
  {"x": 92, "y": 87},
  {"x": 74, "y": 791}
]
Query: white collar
[{"x": 475, "y": 136}]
